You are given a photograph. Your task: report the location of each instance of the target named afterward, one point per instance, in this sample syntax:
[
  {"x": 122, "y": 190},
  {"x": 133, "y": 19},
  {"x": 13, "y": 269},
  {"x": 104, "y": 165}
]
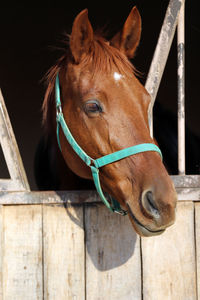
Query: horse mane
[
  {"x": 49, "y": 79},
  {"x": 104, "y": 59}
]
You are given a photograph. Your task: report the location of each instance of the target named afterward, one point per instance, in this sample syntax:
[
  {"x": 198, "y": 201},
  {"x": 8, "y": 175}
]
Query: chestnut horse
[{"x": 106, "y": 110}]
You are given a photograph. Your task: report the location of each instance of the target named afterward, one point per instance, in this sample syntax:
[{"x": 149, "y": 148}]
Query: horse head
[{"x": 106, "y": 109}]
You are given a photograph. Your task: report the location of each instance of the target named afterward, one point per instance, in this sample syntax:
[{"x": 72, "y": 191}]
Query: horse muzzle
[
  {"x": 153, "y": 218},
  {"x": 142, "y": 229}
]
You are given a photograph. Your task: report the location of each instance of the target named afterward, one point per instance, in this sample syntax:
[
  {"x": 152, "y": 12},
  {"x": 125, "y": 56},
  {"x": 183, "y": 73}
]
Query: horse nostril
[{"x": 149, "y": 204}]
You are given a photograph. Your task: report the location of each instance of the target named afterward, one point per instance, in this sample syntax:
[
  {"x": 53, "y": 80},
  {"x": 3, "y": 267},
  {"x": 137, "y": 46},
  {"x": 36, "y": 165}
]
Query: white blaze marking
[{"x": 117, "y": 76}]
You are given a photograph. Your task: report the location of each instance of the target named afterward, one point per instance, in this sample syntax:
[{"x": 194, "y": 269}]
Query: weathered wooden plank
[
  {"x": 181, "y": 89},
  {"x": 186, "y": 181},
  {"x": 10, "y": 185},
  {"x": 113, "y": 265},
  {"x": 188, "y": 194},
  {"x": 76, "y": 197},
  {"x": 187, "y": 187},
  {"x": 48, "y": 197},
  {"x": 169, "y": 271},
  {"x": 22, "y": 253},
  {"x": 197, "y": 232},
  {"x": 1, "y": 251},
  {"x": 64, "y": 254},
  {"x": 161, "y": 53},
  {"x": 10, "y": 149}
]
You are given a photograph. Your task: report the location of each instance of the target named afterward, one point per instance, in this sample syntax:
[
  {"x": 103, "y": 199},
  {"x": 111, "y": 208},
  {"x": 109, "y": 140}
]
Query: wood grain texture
[
  {"x": 113, "y": 265},
  {"x": 48, "y": 197},
  {"x": 186, "y": 181},
  {"x": 10, "y": 149},
  {"x": 75, "y": 197},
  {"x": 197, "y": 232},
  {"x": 1, "y": 252},
  {"x": 22, "y": 253},
  {"x": 169, "y": 271},
  {"x": 64, "y": 274}
]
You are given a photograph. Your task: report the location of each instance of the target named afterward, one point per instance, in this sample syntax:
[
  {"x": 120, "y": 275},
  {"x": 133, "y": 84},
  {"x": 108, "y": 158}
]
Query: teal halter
[{"x": 95, "y": 164}]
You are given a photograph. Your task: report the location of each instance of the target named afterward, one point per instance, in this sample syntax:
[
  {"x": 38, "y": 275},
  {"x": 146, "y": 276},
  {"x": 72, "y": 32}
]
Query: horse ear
[
  {"x": 128, "y": 38},
  {"x": 81, "y": 36}
]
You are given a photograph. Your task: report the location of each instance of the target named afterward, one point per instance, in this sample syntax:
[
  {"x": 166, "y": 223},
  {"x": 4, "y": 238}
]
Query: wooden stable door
[{"x": 50, "y": 251}]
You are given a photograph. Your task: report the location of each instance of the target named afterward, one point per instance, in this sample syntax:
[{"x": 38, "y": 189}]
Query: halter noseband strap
[{"x": 95, "y": 164}]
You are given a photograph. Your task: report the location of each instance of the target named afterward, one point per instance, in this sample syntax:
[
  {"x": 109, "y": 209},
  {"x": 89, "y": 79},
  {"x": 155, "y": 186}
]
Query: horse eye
[{"x": 93, "y": 106}]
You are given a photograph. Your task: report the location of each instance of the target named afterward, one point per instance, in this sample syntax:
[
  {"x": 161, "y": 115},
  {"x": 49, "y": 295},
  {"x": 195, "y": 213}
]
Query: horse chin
[{"x": 140, "y": 228}]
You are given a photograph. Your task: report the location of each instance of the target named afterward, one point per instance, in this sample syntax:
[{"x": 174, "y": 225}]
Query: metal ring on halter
[{"x": 58, "y": 109}]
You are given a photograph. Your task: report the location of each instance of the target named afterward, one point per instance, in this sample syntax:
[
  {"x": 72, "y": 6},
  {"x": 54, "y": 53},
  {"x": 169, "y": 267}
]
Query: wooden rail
[
  {"x": 187, "y": 187},
  {"x": 11, "y": 153}
]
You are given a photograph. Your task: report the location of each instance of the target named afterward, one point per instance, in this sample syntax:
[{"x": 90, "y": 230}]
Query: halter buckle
[
  {"x": 58, "y": 109},
  {"x": 121, "y": 212}
]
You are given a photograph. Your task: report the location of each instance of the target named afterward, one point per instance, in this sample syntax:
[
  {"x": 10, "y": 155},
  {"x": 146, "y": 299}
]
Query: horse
[{"x": 105, "y": 108}]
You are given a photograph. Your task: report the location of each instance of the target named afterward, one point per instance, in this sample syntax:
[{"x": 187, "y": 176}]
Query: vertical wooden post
[
  {"x": 181, "y": 91},
  {"x": 161, "y": 54},
  {"x": 63, "y": 252},
  {"x": 113, "y": 263},
  {"x": 22, "y": 252},
  {"x": 11, "y": 151},
  {"x": 169, "y": 270},
  {"x": 197, "y": 236}
]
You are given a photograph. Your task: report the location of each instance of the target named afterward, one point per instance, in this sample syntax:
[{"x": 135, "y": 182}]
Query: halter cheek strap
[{"x": 95, "y": 164}]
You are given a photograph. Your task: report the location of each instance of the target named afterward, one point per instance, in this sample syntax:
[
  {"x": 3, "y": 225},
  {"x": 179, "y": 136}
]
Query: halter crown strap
[{"x": 95, "y": 164}]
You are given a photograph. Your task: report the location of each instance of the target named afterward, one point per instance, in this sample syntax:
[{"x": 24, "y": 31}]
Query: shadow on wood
[{"x": 100, "y": 225}]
